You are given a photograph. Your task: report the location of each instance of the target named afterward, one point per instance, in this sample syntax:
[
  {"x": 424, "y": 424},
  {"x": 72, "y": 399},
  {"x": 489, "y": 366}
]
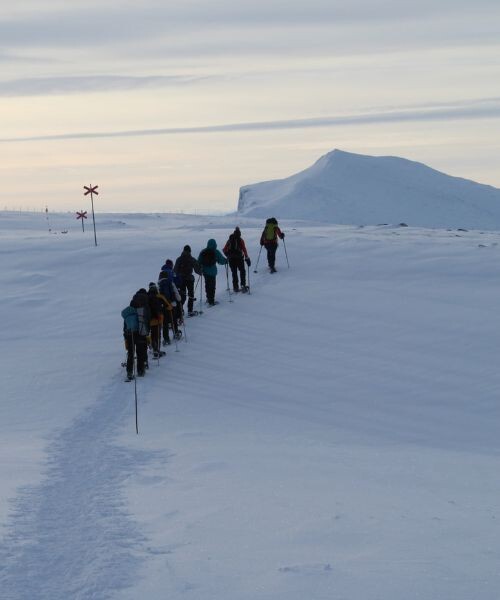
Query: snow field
[{"x": 333, "y": 435}]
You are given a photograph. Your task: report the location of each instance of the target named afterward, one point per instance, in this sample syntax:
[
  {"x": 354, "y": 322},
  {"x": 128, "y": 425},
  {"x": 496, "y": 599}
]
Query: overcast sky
[{"x": 175, "y": 105}]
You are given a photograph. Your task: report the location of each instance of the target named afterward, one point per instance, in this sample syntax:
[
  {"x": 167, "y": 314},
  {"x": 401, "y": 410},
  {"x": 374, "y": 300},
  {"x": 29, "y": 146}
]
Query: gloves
[
  {"x": 282, "y": 236},
  {"x": 261, "y": 243},
  {"x": 248, "y": 261}
]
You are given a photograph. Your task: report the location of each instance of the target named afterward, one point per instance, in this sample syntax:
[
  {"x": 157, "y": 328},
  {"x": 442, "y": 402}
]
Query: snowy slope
[
  {"x": 354, "y": 189},
  {"x": 333, "y": 435}
]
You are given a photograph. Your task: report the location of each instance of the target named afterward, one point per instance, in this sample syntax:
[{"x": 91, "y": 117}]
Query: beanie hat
[
  {"x": 237, "y": 232},
  {"x": 187, "y": 248}
]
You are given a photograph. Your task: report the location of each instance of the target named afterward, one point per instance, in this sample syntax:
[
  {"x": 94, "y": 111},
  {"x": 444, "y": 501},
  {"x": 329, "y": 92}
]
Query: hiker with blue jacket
[
  {"x": 209, "y": 258},
  {"x": 136, "y": 318}
]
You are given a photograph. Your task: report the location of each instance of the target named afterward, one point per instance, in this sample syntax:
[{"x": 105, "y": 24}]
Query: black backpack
[{"x": 208, "y": 257}]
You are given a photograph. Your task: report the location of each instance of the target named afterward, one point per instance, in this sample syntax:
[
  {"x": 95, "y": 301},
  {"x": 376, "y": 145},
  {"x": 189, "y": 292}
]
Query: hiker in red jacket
[{"x": 269, "y": 239}]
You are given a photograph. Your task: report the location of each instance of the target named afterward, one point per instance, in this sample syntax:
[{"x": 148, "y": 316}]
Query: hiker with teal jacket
[{"x": 209, "y": 258}]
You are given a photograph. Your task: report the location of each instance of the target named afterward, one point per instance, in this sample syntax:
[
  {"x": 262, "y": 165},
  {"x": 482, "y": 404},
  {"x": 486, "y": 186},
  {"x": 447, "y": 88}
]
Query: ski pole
[
  {"x": 183, "y": 314},
  {"x": 201, "y": 292},
  {"x": 258, "y": 258},
  {"x": 158, "y": 346},
  {"x": 135, "y": 385},
  {"x": 227, "y": 280},
  {"x": 284, "y": 246},
  {"x": 173, "y": 329},
  {"x": 248, "y": 278}
]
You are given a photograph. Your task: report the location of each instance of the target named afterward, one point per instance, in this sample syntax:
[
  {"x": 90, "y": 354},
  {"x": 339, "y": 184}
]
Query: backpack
[
  {"x": 233, "y": 247},
  {"x": 208, "y": 257},
  {"x": 166, "y": 289},
  {"x": 270, "y": 231},
  {"x": 131, "y": 319}
]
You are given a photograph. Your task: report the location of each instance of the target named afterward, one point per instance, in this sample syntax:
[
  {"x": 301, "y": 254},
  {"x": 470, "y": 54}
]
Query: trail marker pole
[
  {"x": 47, "y": 216},
  {"x": 90, "y": 189},
  {"x": 82, "y": 215}
]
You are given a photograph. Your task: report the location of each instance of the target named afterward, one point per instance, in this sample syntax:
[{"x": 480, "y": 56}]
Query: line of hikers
[{"x": 154, "y": 312}]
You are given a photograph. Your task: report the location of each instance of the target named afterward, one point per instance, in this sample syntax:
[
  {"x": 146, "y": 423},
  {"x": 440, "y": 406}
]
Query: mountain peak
[{"x": 348, "y": 188}]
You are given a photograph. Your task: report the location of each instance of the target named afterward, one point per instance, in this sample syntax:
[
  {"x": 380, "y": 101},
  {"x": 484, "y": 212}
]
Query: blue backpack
[{"x": 131, "y": 319}]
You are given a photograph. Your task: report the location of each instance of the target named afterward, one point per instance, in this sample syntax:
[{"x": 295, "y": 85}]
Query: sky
[{"x": 173, "y": 106}]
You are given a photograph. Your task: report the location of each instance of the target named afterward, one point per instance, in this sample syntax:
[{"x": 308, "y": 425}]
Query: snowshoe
[
  {"x": 272, "y": 270},
  {"x": 245, "y": 289},
  {"x": 193, "y": 313},
  {"x": 130, "y": 377}
]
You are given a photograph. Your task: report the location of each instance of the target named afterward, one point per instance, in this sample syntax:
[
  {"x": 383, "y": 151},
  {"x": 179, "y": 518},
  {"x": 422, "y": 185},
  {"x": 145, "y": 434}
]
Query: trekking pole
[
  {"x": 135, "y": 385},
  {"x": 173, "y": 329},
  {"x": 248, "y": 278},
  {"x": 158, "y": 345},
  {"x": 258, "y": 258},
  {"x": 201, "y": 294},
  {"x": 227, "y": 280},
  {"x": 284, "y": 246},
  {"x": 184, "y": 323}
]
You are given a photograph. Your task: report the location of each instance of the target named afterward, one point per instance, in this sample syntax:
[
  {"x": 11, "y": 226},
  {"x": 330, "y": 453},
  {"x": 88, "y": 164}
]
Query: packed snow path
[{"x": 72, "y": 536}]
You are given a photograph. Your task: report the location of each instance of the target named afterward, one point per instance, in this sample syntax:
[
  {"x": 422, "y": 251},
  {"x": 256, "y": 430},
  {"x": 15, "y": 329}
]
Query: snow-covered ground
[{"x": 333, "y": 435}]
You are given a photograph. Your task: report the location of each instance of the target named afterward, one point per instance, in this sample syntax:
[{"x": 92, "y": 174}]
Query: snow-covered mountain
[{"x": 355, "y": 189}]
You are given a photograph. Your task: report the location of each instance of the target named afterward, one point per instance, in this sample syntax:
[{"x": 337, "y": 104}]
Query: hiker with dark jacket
[
  {"x": 157, "y": 307},
  {"x": 184, "y": 266},
  {"x": 237, "y": 256},
  {"x": 209, "y": 258},
  {"x": 269, "y": 239},
  {"x": 136, "y": 319}
]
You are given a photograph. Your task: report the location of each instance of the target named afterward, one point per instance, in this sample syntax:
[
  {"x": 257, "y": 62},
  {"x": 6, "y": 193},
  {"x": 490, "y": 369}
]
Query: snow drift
[{"x": 350, "y": 188}]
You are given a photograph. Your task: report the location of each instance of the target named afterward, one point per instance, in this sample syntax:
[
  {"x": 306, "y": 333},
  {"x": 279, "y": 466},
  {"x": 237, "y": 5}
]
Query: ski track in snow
[{"x": 71, "y": 536}]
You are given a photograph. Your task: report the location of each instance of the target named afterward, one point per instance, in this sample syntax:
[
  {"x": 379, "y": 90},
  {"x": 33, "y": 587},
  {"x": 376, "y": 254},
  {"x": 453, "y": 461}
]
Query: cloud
[
  {"x": 478, "y": 109},
  {"x": 88, "y": 84},
  {"x": 82, "y": 24}
]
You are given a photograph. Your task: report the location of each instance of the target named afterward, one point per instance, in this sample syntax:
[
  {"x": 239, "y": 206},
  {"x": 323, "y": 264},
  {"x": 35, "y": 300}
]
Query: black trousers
[
  {"x": 271, "y": 248},
  {"x": 137, "y": 345},
  {"x": 210, "y": 288},
  {"x": 237, "y": 264},
  {"x": 186, "y": 290}
]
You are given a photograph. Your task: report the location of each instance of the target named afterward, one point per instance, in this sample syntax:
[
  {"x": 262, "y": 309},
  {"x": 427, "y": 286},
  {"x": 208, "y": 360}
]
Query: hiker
[
  {"x": 136, "y": 319},
  {"x": 157, "y": 307},
  {"x": 209, "y": 258},
  {"x": 168, "y": 289},
  {"x": 269, "y": 239},
  {"x": 237, "y": 255},
  {"x": 184, "y": 266}
]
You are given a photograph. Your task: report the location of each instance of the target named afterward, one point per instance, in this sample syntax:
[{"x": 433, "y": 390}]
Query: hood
[{"x": 212, "y": 244}]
